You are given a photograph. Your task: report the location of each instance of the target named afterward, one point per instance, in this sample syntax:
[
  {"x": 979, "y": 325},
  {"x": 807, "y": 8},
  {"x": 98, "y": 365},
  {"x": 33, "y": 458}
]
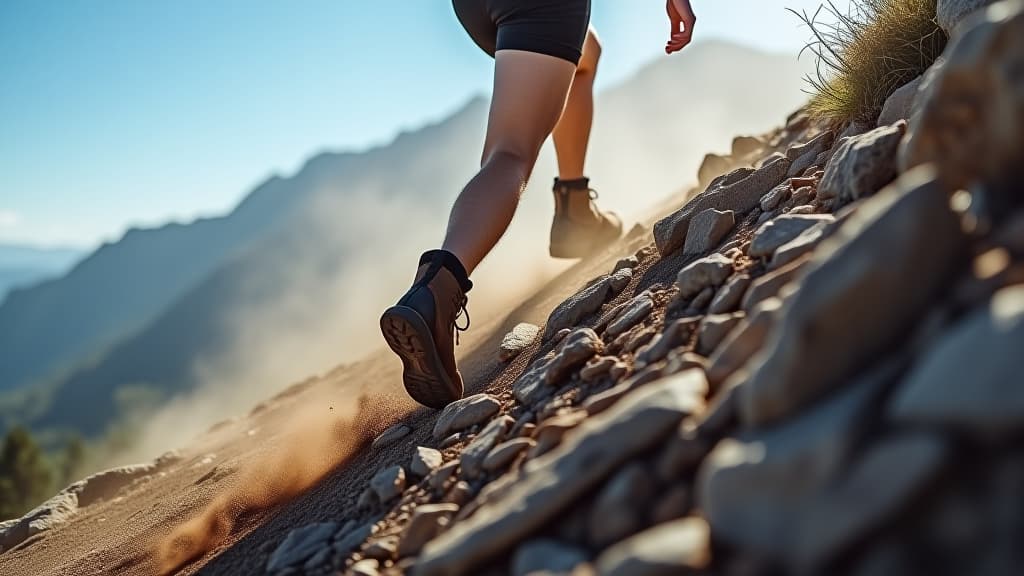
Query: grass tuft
[{"x": 865, "y": 54}]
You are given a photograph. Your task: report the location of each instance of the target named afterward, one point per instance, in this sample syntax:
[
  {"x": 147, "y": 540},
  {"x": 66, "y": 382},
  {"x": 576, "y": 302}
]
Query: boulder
[
  {"x": 707, "y": 229},
  {"x": 950, "y": 13},
  {"x": 971, "y": 378},
  {"x": 862, "y": 164},
  {"x": 723, "y": 194},
  {"x": 519, "y": 505},
  {"x": 854, "y": 304},
  {"x": 968, "y": 115},
  {"x": 517, "y": 340}
]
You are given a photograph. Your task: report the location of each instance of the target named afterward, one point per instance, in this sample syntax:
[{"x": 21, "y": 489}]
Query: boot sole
[{"x": 423, "y": 373}]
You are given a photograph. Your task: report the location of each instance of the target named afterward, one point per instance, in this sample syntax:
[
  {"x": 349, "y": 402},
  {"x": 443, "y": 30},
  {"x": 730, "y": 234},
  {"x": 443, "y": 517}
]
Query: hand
[{"x": 681, "y": 17}]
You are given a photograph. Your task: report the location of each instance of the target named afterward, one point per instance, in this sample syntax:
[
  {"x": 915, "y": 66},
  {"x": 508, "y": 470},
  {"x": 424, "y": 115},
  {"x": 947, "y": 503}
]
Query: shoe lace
[
  {"x": 462, "y": 311},
  {"x": 592, "y": 193}
]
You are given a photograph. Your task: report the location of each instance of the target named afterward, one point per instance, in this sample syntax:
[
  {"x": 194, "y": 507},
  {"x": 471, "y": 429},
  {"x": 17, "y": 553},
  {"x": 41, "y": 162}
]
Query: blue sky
[{"x": 132, "y": 112}]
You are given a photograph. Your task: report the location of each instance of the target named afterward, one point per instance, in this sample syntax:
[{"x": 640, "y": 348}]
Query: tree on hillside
[{"x": 24, "y": 474}]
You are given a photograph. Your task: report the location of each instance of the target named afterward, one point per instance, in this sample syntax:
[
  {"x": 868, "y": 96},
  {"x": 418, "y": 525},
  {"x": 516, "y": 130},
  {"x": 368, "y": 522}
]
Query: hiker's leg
[
  {"x": 529, "y": 94},
  {"x": 572, "y": 133}
]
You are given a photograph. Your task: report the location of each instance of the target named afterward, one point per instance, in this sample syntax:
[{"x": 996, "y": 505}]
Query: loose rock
[
  {"x": 707, "y": 229},
  {"x": 678, "y": 547},
  {"x": 618, "y": 511},
  {"x": 503, "y": 454},
  {"x": 706, "y": 272},
  {"x": 427, "y": 522},
  {"x": 424, "y": 461},
  {"x": 714, "y": 329},
  {"x": 464, "y": 413},
  {"x": 300, "y": 545},
  {"x": 863, "y": 164},
  {"x": 517, "y": 340},
  {"x": 743, "y": 342},
  {"x": 776, "y": 233},
  {"x": 545, "y": 557},
  {"x": 637, "y": 309},
  {"x": 575, "y": 350},
  {"x": 472, "y": 458},
  {"x": 770, "y": 285}
]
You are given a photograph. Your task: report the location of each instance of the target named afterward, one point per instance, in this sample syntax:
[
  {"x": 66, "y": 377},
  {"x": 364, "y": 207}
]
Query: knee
[
  {"x": 509, "y": 158},
  {"x": 591, "y": 55}
]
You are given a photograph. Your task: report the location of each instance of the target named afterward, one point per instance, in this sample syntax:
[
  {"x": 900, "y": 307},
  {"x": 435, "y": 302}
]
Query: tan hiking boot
[
  {"x": 579, "y": 228},
  {"x": 422, "y": 329}
]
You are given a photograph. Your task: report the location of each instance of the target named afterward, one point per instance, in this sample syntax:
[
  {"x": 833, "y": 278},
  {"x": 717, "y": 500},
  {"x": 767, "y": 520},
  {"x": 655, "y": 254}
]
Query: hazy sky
[{"x": 126, "y": 112}]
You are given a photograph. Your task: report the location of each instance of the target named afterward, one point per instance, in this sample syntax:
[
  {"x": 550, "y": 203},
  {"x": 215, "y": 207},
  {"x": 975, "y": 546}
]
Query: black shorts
[{"x": 553, "y": 27}]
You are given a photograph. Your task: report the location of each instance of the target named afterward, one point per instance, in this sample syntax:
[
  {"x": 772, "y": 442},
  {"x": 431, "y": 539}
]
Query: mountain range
[{"x": 292, "y": 279}]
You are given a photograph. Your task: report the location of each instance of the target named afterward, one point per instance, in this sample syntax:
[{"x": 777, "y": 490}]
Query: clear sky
[{"x": 132, "y": 112}]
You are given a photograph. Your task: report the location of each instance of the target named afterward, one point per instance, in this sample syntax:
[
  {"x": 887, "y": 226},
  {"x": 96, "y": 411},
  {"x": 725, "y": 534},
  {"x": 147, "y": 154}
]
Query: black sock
[
  {"x": 452, "y": 263},
  {"x": 577, "y": 184}
]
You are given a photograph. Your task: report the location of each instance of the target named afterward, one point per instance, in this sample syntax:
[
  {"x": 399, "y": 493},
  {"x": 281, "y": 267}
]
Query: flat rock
[
  {"x": 771, "y": 200},
  {"x": 464, "y": 413},
  {"x": 707, "y": 229},
  {"x": 714, "y": 329},
  {"x": 472, "y": 457},
  {"x": 723, "y": 194},
  {"x": 743, "y": 342},
  {"x": 390, "y": 436},
  {"x": 677, "y": 547},
  {"x": 586, "y": 302},
  {"x": 518, "y": 505},
  {"x": 619, "y": 509},
  {"x": 545, "y": 556},
  {"x": 517, "y": 340},
  {"x": 388, "y": 483},
  {"x": 578, "y": 347},
  {"x": 347, "y": 541},
  {"x": 806, "y": 242},
  {"x": 503, "y": 454},
  {"x": 597, "y": 368},
  {"x": 441, "y": 476},
  {"x": 971, "y": 378},
  {"x": 906, "y": 231},
  {"x": 809, "y": 153},
  {"x": 300, "y": 545},
  {"x": 425, "y": 460},
  {"x": 729, "y": 297},
  {"x": 673, "y": 336},
  {"x": 550, "y": 432},
  {"x": 775, "y": 233},
  {"x": 770, "y": 285},
  {"x": 632, "y": 314},
  {"x": 428, "y": 520},
  {"x": 531, "y": 387},
  {"x": 710, "y": 271},
  {"x": 966, "y": 107},
  {"x": 862, "y": 164}
]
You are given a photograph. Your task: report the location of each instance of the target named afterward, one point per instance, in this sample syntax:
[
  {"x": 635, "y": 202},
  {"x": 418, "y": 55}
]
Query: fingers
[
  {"x": 682, "y": 20},
  {"x": 677, "y": 42}
]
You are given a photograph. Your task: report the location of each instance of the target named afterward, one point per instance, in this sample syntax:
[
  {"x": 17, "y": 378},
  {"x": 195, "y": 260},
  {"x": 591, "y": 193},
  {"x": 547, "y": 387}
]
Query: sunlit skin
[{"x": 535, "y": 96}]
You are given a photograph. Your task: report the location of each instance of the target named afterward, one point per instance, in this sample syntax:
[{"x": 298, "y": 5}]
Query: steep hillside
[
  {"x": 284, "y": 297},
  {"x": 22, "y": 266}
]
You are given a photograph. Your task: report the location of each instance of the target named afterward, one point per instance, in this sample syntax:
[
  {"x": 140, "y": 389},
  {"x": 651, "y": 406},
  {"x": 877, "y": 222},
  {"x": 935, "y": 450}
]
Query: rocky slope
[
  {"x": 811, "y": 367},
  {"x": 814, "y": 368}
]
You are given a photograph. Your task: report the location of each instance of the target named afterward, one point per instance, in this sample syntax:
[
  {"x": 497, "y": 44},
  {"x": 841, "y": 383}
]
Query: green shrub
[
  {"x": 25, "y": 476},
  {"x": 865, "y": 54}
]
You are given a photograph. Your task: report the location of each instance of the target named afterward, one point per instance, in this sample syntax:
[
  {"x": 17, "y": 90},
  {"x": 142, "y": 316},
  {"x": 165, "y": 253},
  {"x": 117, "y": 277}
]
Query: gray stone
[
  {"x": 424, "y": 461},
  {"x": 806, "y": 242},
  {"x": 300, "y": 545},
  {"x": 755, "y": 488},
  {"x": 971, "y": 378},
  {"x": 775, "y": 233},
  {"x": 586, "y": 302},
  {"x": 800, "y": 202},
  {"x": 950, "y": 13},
  {"x": 503, "y": 454},
  {"x": 628, "y": 262},
  {"x": 707, "y": 229},
  {"x": 441, "y": 476},
  {"x": 771, "y": 200},
  {"x": 675, "y": 548},
  {"x": 742, "y": 343},
  {"x": 388, "y": 483},
  {"x": 968, "y": 111},
  {"x": 701, "y": 300},
  {"x": 729, "y": 297},
  {"x": 863, "y": 164},
  {"x": 472, "y": 457},
  {"x": 806, "y": 155},
  {"x": 517, "y": 340},
  {"x": 634, "y": 313},
  {"x": 710, "y": 271},
  {"x": 906, "y": 231},
  {"x": 530, "y": 388},
  {"x": 619, "y": 509},
  {"x": 574, "y": 351},
  {"x": 428, "y": 520},
  {"x": 714, "y": 329},
  {"x": 618, "y": 281},
  {"x": 551, "y": 431},
  {"x": 672, "y": 505},
  {"x": 366, "y": 567},
  {"x": 390, "y": 436},
  {"x": 770, "y": 285},
  {"x": 740, "y": 196},
  {"x": 517, "y": 505},
  {"x": 536, "y": 557},
  {"x": 464, "y": 413},
  {"x": 346, "y": 541},
  {"x": 899, "y": 105},
  {"x": 673, "y": 336}
]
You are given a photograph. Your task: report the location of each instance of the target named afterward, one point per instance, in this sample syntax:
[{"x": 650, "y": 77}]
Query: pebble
[
  {"x": 427, "y": 522},
  {"x": 503, "y": 454},
  {"x": 464, "y": 413},
  {"x": 517, "y": 340},
  {"x": 634, "y": 312},
  {"x": 440, "y": 477},
  {"x": 779, "y": 231},
  {"x": 425, "y": 460}
]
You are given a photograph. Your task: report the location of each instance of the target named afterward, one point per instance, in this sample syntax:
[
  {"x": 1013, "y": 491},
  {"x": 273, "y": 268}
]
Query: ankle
[{"x": 450, "y": 262}]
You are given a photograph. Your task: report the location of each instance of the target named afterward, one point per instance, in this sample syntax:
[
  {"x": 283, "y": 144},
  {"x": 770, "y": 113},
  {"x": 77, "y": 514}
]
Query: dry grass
[{"x": 867, "y": 53}]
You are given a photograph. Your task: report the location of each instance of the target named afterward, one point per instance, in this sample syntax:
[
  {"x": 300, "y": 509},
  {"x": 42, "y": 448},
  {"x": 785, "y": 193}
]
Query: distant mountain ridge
[
  {"x": 23, "y": 265},
  {"x": 152, "y": 309}
]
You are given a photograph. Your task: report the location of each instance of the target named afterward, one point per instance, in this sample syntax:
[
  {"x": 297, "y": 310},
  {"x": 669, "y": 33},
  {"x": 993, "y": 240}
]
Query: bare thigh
[{"x": 529, "y": 94}]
